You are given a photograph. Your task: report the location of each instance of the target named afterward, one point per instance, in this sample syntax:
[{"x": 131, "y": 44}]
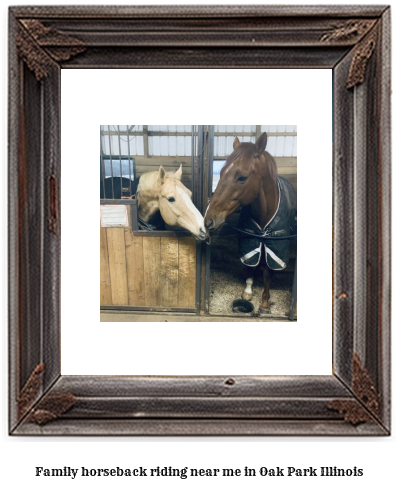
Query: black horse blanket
[{"x": 277, "y": 251}]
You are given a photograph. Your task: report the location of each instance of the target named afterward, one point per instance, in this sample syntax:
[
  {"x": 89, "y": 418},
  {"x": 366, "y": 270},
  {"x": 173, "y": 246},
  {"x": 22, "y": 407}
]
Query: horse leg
[
  {"x": 267, "y": 275},
  {"x": 247, "y": 292}
]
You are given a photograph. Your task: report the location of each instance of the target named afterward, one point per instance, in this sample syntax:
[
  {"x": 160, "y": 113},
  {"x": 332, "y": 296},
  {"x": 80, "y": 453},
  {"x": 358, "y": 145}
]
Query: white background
[
  {"x": 278, "y": 96},
  {"x": 377, "y": 456}
]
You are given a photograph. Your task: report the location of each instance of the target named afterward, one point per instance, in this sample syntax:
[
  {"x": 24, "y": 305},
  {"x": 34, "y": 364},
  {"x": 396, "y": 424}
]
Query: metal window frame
[{"x": 353, "y": 41}]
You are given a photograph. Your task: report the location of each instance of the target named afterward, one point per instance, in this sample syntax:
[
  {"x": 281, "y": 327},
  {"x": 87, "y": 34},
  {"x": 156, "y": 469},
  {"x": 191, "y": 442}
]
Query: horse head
[
  {"x": 165, "y": 192},
  {"x": 241, "y": 182}
]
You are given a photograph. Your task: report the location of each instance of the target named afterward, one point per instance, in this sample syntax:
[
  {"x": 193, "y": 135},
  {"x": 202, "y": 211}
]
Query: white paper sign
[{"x": 114, "y": 216}]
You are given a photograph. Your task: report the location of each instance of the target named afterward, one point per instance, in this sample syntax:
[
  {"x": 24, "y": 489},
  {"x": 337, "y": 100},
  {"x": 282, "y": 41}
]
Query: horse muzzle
[
  {"x": 210, "y": 224},
  {"x": 202, "y": 235},
  {"x": 215, "y": 223}
]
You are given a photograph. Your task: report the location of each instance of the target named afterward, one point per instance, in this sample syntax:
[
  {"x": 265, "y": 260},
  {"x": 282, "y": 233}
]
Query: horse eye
[
  {"x": 242, "y": 179},
  {"x": 171, "y": 199}
]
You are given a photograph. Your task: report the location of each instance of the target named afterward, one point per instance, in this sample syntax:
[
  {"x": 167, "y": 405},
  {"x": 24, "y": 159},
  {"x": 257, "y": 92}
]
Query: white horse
[{"x": 164, "y": 191}]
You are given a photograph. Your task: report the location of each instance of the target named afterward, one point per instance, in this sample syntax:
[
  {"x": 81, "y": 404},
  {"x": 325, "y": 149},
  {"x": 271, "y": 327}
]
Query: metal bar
[
  {"x": 246, "y": 317},
  {"x": 207, "y": 277},
  {"x": 150, "y": 133},
  {"x": 211, "y": 140},
  {"x": 195, "y": 183},
  {"x": 278, "y": 158},
  {"x": 130, "y": 168},
  {"x": 116, "y": 156},
  {"x": 102, "y": 168},
  {"x": 190, "y": 311},
  {"x": 291, "y": 315},
  {"x": 287, "y": 161},
  {"x": 198, "y": 280},
  {"x": 254, "y": 134},
  {"x": 193, "y": 177},
  {"x": 120, "y": 159},
  {"x": 145, "y": 140},
  {"x": 210, "y": 150},
  {"x": 112, "y": 171},
  {"x": 149, "y": 309},
  {"x": 199, "y": 188},
  {"x": 247, "y": 134},
  {"x": 200, "y": 164},
  {"x": 135, "y": 222},
  {"x": 114, "y": 201}
]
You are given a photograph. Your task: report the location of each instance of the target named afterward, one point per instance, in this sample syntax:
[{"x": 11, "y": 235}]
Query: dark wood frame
[{"x": 353, "y": 41}]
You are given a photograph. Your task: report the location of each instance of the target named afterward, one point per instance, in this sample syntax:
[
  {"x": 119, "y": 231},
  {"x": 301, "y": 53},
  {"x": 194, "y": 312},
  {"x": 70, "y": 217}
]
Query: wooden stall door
[{"x": 151, "y": 272}]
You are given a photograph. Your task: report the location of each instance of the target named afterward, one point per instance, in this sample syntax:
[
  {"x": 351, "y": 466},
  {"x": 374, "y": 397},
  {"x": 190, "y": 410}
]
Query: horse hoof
[
  {"x": 246, "y": 297},
  {"x": 263, "y": 311}
]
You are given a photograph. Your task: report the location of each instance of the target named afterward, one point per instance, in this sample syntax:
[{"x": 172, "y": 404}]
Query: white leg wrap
[{"x": 247, "y": 294}]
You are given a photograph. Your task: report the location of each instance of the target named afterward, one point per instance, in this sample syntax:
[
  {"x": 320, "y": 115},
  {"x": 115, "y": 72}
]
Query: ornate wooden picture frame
[{"x": 352, "y": 41}]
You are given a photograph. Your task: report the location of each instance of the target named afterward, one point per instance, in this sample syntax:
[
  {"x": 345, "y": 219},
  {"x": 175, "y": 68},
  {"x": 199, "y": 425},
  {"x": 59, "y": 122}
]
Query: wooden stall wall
[
  {"x": 140, "y": 271},
  {"x": 287, "y": 168}
]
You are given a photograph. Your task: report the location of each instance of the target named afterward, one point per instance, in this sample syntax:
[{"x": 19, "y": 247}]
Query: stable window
[{"x": 117, "y": 177}]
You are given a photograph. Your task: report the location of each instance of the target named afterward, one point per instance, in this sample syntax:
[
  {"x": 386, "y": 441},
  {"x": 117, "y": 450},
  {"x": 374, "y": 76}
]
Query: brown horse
[
  {"x": 249, "y": 180},
  {"x": 161, "y": 191}
]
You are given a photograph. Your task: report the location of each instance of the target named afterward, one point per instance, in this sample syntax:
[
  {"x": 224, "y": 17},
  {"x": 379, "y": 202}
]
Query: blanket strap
[{"x": 261, "y": 238}]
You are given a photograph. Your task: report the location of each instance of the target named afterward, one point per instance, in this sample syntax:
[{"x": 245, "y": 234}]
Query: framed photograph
[{"x": 349, "y": 44}]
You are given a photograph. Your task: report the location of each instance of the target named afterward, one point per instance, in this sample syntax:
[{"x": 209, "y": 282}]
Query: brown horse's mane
[{"x": 247, "y": 149}]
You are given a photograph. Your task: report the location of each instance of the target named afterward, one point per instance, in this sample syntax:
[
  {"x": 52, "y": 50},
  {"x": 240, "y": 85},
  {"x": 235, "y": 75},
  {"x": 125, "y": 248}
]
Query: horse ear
[
  {"x": 162, "y": 174},
  {"x": 260, "y": 144},
  {"x": 179, "y": 172},
  {"x": 236, "y": 143}
]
